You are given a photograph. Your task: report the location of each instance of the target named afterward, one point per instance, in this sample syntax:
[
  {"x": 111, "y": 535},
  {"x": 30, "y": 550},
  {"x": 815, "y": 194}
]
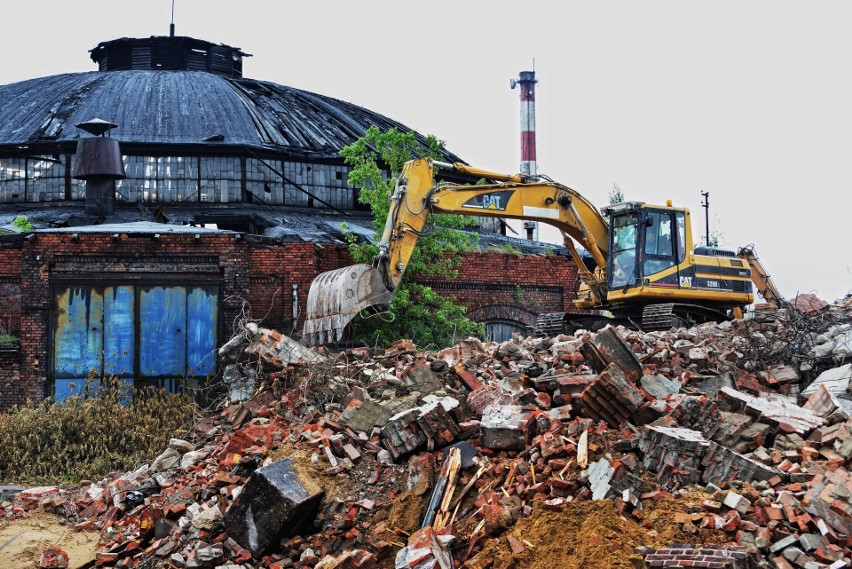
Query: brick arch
[{"x": 494, "y": 312}]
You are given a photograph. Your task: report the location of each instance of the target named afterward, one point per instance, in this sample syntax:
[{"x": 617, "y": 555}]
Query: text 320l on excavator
[{"x": 643, "y": 270}]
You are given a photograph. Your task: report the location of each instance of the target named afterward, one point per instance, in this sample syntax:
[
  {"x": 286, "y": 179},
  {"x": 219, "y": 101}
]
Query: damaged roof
[
  {"x": 284, "y": 225},
  {"x": 185, "y": 108}
]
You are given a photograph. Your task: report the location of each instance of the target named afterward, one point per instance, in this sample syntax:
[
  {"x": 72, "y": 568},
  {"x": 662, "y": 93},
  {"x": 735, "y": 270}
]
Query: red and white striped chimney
[{"x": 526, "y": 82}]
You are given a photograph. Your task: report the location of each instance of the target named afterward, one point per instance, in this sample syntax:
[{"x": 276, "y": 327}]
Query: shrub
[{"x": 106, "y": 428}]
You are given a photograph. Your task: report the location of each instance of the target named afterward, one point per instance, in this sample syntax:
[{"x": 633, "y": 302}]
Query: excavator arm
[
  {"x": 761, "y": 279},
  {"x": 336, "y": 297}
]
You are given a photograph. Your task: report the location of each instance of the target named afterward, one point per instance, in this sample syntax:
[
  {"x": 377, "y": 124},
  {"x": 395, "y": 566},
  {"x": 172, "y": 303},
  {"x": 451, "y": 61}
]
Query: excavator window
[
  {"x": 681, "y": 236},
  {"x": 623, "y": 241},
  {"x": 659, "y": 243}
]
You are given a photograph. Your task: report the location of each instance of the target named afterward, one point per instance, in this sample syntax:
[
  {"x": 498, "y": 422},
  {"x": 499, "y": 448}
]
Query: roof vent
[{"x": 98, "y": 162}]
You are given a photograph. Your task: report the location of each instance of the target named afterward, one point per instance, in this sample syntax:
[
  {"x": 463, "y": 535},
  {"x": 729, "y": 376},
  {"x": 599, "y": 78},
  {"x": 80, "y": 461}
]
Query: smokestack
[
  {"x": 526, "y": 82},
  {"x": 98, "y": 162}
]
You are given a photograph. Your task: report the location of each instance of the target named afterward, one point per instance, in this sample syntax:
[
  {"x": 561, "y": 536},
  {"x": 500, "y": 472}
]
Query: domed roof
[{"x": 156, "y": 107}]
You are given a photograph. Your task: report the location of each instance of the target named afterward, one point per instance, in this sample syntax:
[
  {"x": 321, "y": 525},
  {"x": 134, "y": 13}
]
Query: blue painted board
[
  {"x": 202, "y": 316},
  {"x": 65, "y": 388},
  {"x": 78, "y": 338},
  {"x": 162, "y": 331},
  {"x": 119, "y": 334}
]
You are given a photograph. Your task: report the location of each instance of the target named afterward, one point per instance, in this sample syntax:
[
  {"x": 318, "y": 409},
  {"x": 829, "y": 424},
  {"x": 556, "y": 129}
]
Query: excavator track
[{"x": 674, "y": 314}]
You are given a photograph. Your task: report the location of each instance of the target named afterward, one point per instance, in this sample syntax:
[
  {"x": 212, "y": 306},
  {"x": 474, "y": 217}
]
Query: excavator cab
[{"x": 645, "y": 241}]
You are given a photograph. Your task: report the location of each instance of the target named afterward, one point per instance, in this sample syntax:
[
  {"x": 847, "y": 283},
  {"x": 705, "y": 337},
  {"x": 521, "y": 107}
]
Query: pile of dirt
[
  {"x": 22, "y": 541},
  {"x": 587, "y": 534}
]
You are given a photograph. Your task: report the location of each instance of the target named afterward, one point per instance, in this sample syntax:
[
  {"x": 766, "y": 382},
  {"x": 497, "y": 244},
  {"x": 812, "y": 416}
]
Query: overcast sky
[{"x": 747, "y": 100}]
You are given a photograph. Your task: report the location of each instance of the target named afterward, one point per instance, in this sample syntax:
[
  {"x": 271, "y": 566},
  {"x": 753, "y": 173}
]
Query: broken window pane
[
  {"x": 46, "y": 179},
  {"x": 220, "y": 179},
  {"x": 141, "y": 181},
  {"x": 78, "y": 187},
  {"x": 159, "y": 179},
  {"x": 296, "y": 174},
  {"x": 177, "y": 178},
  {"x": 262, "y": 183},
  {"x": 324, "y": 182},
  {"x": 13, "y": 176}
]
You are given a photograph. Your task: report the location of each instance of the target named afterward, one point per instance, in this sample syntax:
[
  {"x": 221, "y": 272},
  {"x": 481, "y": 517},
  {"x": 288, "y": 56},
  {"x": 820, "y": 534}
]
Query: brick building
[{"x": 233, "y": 197}]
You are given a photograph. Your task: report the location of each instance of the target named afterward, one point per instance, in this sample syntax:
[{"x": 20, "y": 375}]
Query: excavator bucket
[{"x": 336, "y": 297}]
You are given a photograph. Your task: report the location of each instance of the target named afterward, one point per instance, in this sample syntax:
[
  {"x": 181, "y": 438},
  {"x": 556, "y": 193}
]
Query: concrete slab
[{"x": 276, "y": 502}]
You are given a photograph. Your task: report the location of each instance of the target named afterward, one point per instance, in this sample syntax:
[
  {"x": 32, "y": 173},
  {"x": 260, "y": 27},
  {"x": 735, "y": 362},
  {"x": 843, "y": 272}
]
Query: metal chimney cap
[{"x": 96, "y": 127}]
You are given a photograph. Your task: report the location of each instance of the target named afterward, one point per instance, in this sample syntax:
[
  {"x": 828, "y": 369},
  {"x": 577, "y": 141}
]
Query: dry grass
[{"x": 90, "y": 435}]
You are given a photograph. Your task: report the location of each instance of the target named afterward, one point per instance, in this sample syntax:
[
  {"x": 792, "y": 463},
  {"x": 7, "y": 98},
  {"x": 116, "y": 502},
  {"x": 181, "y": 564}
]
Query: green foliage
[
  {"x": 22, "y": 223},
  {"x": 350, "y": 237},
  {"x": 505, "y": 248},
  {"x": 518, "y": 295},
  {"x": 421, "y": 314},
  {"x": 524, "y": 298},
  {"x": 616, "y": 195},
  {"x": 417, "y": 312},
  {"x": 91, "y": 434},
  {"x": 717, "y": 238}
]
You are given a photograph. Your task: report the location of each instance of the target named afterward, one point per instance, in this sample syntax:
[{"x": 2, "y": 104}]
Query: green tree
[
  {"x": 616, "y": 195},
  {"x": 417, "y": 312}
]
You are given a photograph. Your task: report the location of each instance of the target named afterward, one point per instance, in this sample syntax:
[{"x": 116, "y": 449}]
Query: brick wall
[
  {"x": 275, "y": 269},
  {"x": 10, "y": 290},
  {"x": 11, "y": 387},
  {"x": 494, "y": 286},
  {"x": 93, "y": 258},
  {"x": 708, "y": 556},
  {"x": 500, "y": 286}
]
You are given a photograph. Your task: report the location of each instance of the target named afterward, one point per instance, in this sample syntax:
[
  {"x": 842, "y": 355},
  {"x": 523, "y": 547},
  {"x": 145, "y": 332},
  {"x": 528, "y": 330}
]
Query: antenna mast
[{"x": 172, "y": 25}]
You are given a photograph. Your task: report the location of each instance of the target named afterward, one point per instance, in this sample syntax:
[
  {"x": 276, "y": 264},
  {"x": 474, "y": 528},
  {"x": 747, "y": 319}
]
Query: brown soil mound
[
  {"x": 588, "y": 535},
  {"x": 406, "y": 513}
]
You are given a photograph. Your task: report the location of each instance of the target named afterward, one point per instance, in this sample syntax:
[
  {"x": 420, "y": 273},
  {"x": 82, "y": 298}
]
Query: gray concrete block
[
  {"x": 370, "y": 414},
  {"x": 600, "y": 476},
  {"x": 505, "y": 427},
  {"x": 783, "y": 543},
  {"x": 277, "y": 501},
  {"x": 659, "y": 386},
  {"x": 810, "y": 541}
]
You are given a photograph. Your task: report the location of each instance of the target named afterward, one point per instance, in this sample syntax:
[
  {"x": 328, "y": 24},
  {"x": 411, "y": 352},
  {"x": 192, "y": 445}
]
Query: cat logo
[
  {"x": 685, "y": 282},
  {"x": 496, "y": 201}
]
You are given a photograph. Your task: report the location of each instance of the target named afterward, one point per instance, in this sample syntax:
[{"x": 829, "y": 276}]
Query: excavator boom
[
  {"x": 761, "y": 279},
  {"x": 645, "y": 266},
  {"x": 336, "y": 297}
]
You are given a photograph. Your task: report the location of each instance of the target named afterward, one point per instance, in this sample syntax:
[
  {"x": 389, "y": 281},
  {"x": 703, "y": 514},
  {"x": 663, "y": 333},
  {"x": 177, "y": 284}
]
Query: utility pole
[{"x": 706, "y": 206}]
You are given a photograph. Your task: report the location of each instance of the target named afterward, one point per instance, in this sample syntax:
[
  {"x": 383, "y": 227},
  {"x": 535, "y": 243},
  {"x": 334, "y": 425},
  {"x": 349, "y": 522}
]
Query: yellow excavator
[{"x": 643, "y": 269}]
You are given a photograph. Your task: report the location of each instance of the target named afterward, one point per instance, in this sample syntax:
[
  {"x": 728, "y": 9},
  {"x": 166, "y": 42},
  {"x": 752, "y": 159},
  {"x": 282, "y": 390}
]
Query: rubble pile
[{"x": 609, "y": 449}]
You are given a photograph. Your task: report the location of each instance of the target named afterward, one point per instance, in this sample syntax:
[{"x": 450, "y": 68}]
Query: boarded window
[{"x": 161, "y": 336}]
